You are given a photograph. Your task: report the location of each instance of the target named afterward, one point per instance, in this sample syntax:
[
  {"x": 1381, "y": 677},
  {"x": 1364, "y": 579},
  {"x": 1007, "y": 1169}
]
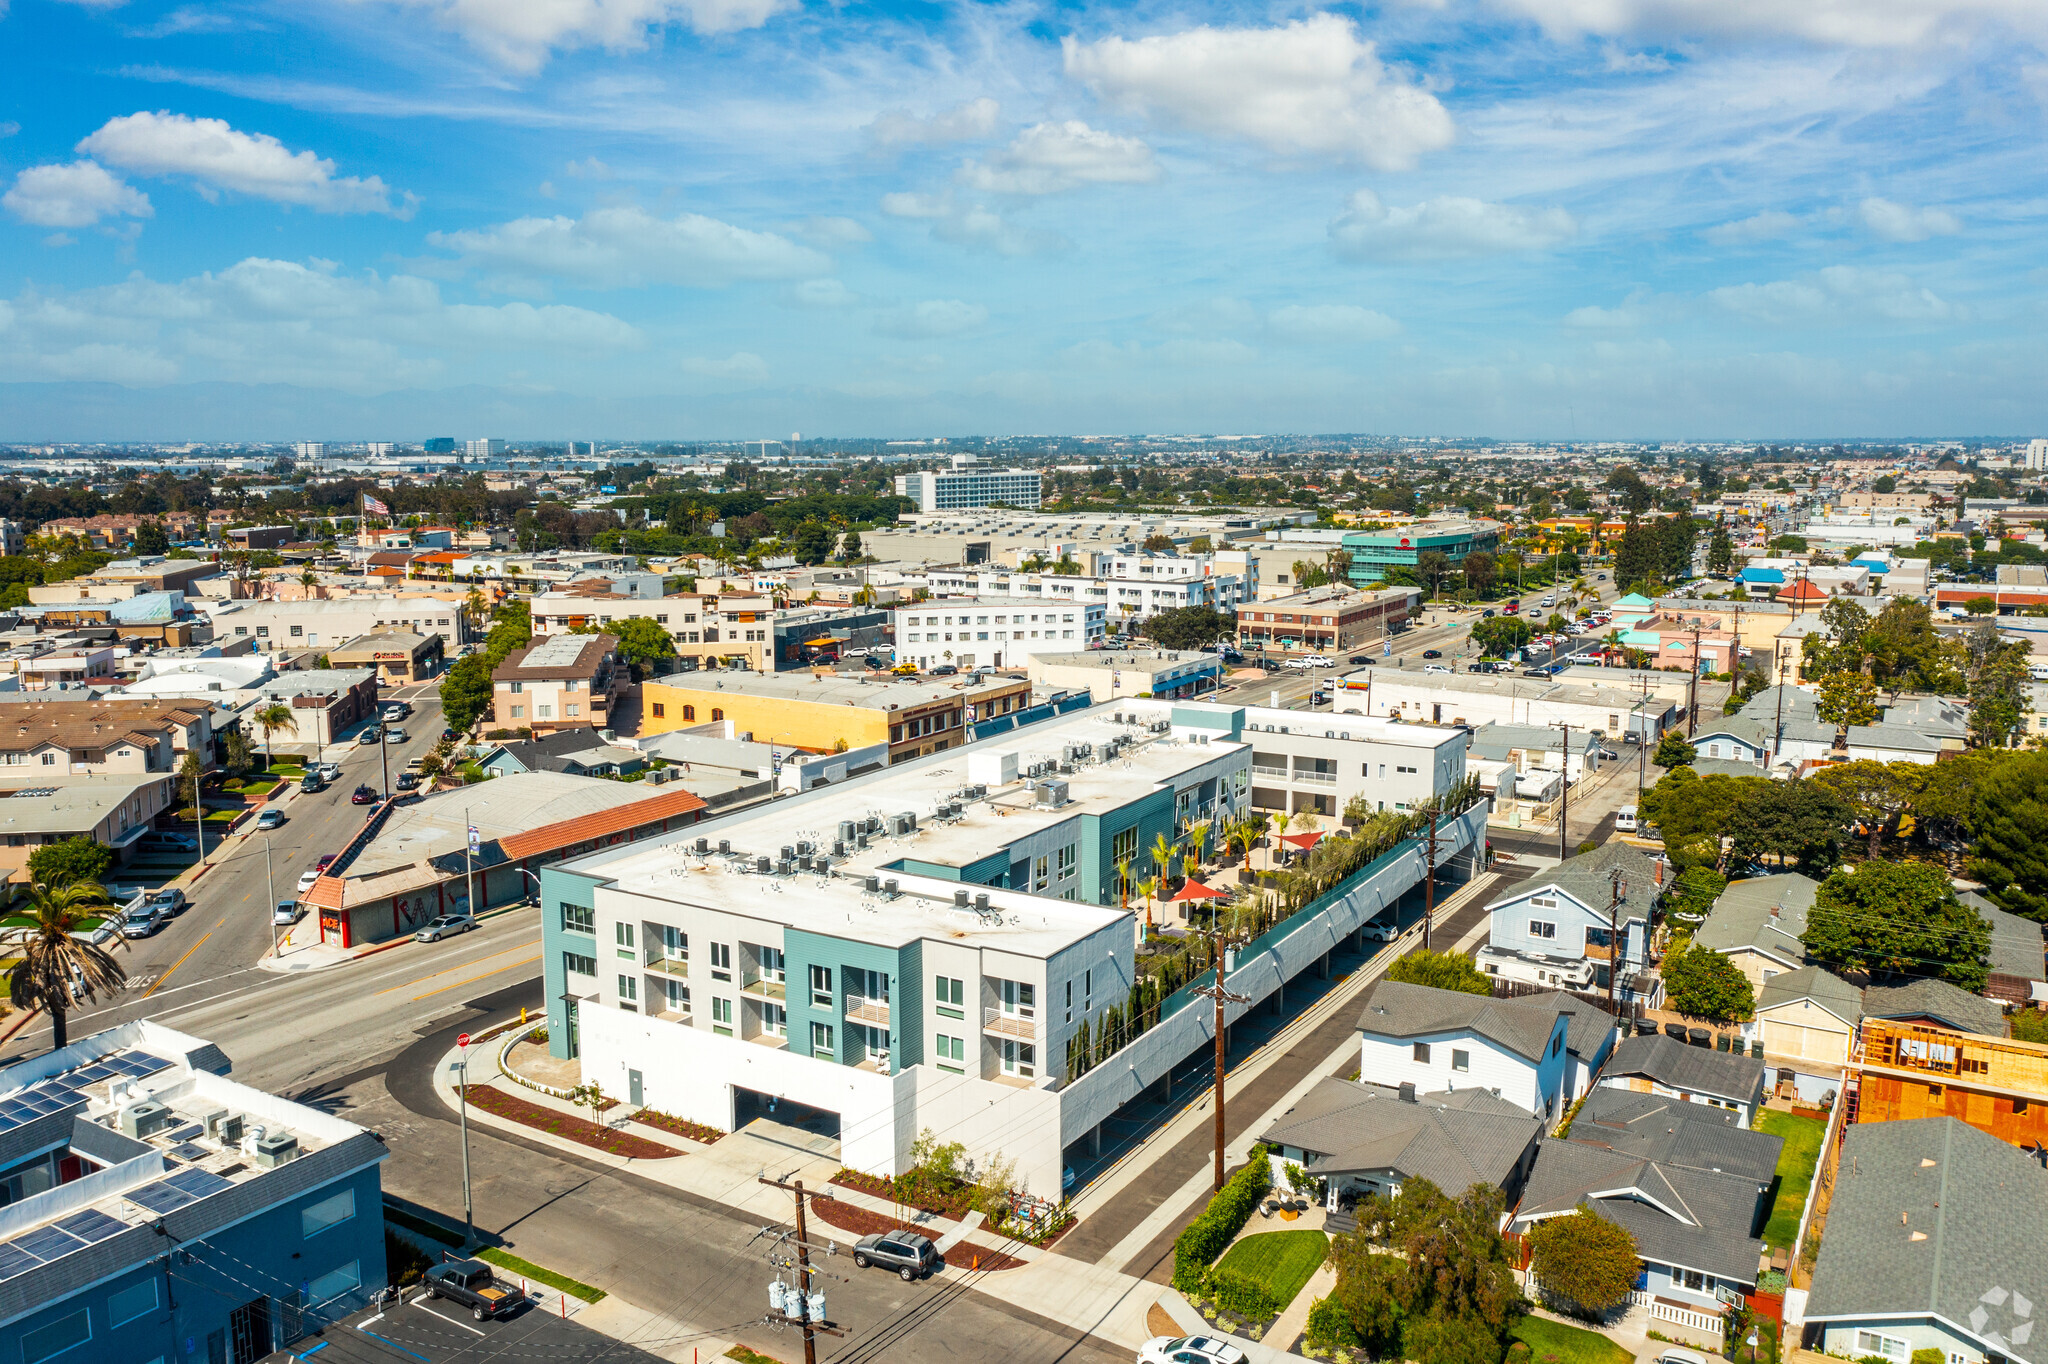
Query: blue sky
[{"x": 1522, "y": 218}]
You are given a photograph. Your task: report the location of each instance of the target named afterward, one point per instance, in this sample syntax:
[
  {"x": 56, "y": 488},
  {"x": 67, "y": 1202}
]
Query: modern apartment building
[
  {"x": 708, "y": 629},
  {"x": 1328, "y": 620},
  {"x": 914, "y": 949},
  {"x": 558, "y": 682},
  {"x": 825, "y": 712},
  {"x": 157, "y": 1210},
  {"x": 993, "y": 632},
  {"x": 1490, "y": 698},
  {"x": 1125, "y": 598},
  {"x": 104, "y": 738},
  {"x": 1304, "y": 761},
  {"x": 968, "y": 484}
]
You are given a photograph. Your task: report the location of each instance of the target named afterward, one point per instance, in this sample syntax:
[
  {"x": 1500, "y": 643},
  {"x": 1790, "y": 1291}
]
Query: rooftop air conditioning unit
[
  {"x": 805, "y": 846},
  {"x": 846, "y": 831},
  {"x": 703, "y": 845},
  {"x": 981, "y": 901},
  {"x": 909, "y": 818},
  {"x": 274, "y": 1149},
  {"x": 889, "y": 888},
  {"x": 225, "y": 1128},
  {"x": 725, "y": 845},
  {"x": 785, "y": 867},
  {"x": 960, "y": 899},
  {"x": 861, "y": 841},
  {"x": 145, "y": 1118},
  {"x": 788, "y": 852},
  {"x": 871, "y": 883},
  {"x": 1052, "y": 794},
  {"x": 761, "y": 864}
]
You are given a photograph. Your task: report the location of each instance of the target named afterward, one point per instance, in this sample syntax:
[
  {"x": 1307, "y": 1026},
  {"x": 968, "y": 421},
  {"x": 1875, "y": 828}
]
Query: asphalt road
[{"x": 226, "y": 928}]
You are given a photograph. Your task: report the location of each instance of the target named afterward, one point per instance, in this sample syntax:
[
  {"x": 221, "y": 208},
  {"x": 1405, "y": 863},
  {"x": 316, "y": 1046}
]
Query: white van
[
  {"x": 1625, "y": 819},
  {"x": 2038, "y": 671}
]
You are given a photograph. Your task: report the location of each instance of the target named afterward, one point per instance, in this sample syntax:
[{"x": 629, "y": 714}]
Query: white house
[
  {"x": 1449, "y": 1040},
  {"x": 1578, "y": 910},
  {"x": 1667, "y": 1066}
]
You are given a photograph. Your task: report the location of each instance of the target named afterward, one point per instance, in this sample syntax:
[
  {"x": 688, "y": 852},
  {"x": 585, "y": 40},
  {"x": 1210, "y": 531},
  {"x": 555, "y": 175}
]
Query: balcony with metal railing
[
  {"x": 677, "y": 967},
  {"x": 1317, "y": 778},
  {"x": 1279, "y": 772},
  {"x": 763, "y": 985},
  {"x": 1024, "y": 1024},
  {"x": 864, "y": 1009}
]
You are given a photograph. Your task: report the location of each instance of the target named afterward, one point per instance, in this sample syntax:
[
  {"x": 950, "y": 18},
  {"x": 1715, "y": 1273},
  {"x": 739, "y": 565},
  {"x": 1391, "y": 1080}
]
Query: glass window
[
  {"x": 1461, "y": 1060},
  {"x": 131, "y": 1302},
  {"x": 689, "y": 712},
  {"x": 952, "y": 1054},
  {"x": 579, "y": 919},
  {"x": 721, "y": 961},
  {"x": 1539, "y": 928},
  {"x": 821, "y": 987},
  {"x": 47, "y": 1342},
  {"x": 660, "y": 710},
  {"x": 721, "y": 1016},
  {"x": 948, "y": 995},
  {"x": 821, "y": 1040},
  {"x": 1422, "y": 1052},
  {"x": 623, "y": 934},
  {"x": 328, "y": 1287},
  {"x": 315, "y": 1218},
  {"x": 576, "y": 964},
  {"x": 629, "y": 988},
  {"x": 774, "y": 1020}
]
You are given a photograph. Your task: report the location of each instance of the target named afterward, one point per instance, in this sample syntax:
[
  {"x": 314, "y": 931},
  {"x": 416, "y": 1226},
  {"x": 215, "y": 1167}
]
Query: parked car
[
  {"x": 1188, "y": 1350},
  {"x": 311, "y": 783},
  {"x": 906, "y": 1252},
  {"x": 447, "y": 734},
  {"x": 470, "y": 1284},
  {"x": 1376, "y": 931},
  {"x": 327, "y": 771},
  {"x": 1435, "y": 668},
  {"x": 394, "y": 736},
  {"x": 326, "y": 860},
  {"x": 363, "y": 795},
  {"x": 270, "y": 819},
  {"x": 286, "y": 914},
  {"x": 408, "y": 781},
  {"x": 307, "y": 878},
  {"x": 945, "y": 670},
  {"x": 396, "y": 710},
  {"x": 446, "y": 926},
  {"x": 169, "y": 899},
  {"x": 163, "y": 840},
  {"x": 373, "y": 734},
  {"x": 141, "y": 918}
]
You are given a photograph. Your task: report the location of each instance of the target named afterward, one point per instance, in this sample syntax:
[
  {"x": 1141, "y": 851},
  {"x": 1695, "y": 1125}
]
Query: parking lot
[{"x": 415, "y": 1332}]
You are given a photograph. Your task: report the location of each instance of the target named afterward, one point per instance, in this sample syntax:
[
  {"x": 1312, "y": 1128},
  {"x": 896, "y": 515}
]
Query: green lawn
[
  {"x": 1553, "y": 1342},
  {"x": 1796, "y": 1161},
  {"x": 1281, "y": 1260}
]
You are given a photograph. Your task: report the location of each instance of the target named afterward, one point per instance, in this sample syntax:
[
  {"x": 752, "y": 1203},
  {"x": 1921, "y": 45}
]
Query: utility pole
[
  {"x": 469, "y": 859},
  {"x": 384, "y": 755},
  {"x": 1218, "y": 992},
  {"x": 1564, "y": 808},
  {"x": 1429, "y": 884},
  {"x": 1778, "y": 735},
  {"x": 803, "y": 1271},
  {"x": 1692, "y": 704},
  {"x": 270, "y": 884},
  {"x": 1619, "y": 883}
]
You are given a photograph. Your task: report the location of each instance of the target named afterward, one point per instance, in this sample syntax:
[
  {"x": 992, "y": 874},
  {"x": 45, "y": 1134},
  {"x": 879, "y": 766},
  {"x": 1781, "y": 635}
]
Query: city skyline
[{"x": 1526, "y": 219}]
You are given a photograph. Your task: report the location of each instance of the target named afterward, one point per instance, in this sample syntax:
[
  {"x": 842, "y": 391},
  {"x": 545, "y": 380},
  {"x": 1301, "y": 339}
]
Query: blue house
[{"x": 1594, "y": 907}]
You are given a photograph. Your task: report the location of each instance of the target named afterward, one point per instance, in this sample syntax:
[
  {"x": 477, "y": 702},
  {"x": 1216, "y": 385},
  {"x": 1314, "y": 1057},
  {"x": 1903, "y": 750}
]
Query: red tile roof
[{"x": 600, "y": 825}]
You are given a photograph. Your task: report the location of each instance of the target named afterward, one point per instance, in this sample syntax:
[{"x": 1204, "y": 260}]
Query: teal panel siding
[
  {"x": 557, "y": 888},
  {"x": 803, "y": 950},
  {"x": 906, "y": 1007},
  {"x": 1151, "y": 815}
]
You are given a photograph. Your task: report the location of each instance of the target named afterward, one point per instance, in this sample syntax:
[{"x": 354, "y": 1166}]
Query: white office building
[
  {"x": 2037, "y": 455},
  {"x": 993, "y": 632},
  {"x": 968, "y": 484},
  {"x": 309, "y": 449},
  {"x": 1126, "y": 598},
  {"x": 483, "y": 448}
]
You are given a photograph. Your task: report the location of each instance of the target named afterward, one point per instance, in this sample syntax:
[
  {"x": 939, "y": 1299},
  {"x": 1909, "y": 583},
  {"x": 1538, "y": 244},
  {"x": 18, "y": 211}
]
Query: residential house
[
  {"x": 1449, "y": 1040},
  {"x": 1807, "y": 1020},
  {"x": 1667, "y": 1066},
  {"x": 1933, "y": 1243},
  {"x": 1585, "y": 908},
  {"x": 2017, "y": 973},
  {"x": 1905, "y": 1069},
  {"x": 558, "y": 682},
  {"x": 1757, "y": 924},
  {"x": 1931, "y": 1003},
  {"x": 579, "y": 752},
  {"x": 1589, "y": 1040},
  {"x": 1368, "y": 1140}
]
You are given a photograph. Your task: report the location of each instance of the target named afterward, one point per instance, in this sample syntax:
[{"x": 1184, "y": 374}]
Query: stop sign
[{"x": 463, "y": 1040}]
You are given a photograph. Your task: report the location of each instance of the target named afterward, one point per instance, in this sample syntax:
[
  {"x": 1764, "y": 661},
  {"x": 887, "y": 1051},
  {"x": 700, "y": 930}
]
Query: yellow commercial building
[{"x": 825, "y": 712}]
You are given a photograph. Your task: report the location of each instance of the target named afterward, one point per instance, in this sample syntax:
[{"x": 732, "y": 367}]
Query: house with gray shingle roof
[
  {"x": 1368, "y": 1139},
  {"x": 1756, "y": 924},
  {"x": 1935, "y": 1003},
  {"x": 1667, "y": 1066},
  {"x": 1448, "y": 1040},
  {"x": 1565, "y": 913},
  {"x": 1933, "y": 1241},
  {"x": 1807, "y": 1020},
  {"x": 2017, "y": 969}
]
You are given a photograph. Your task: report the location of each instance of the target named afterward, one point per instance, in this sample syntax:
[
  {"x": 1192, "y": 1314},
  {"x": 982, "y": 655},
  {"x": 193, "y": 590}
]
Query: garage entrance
[{"x": 748, "y": 1104}]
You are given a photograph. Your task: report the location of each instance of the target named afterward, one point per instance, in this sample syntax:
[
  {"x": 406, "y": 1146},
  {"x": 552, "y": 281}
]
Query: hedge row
[
  {"x": 1203, "y": 1239},
  {"x": 1233, "y": 1290}
]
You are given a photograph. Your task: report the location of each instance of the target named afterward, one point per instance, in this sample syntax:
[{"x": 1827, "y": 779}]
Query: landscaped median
[{"x": 503, "y": 1259}]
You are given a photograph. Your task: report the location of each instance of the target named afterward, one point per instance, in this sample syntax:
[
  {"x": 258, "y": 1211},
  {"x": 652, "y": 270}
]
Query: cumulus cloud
[
  {"x": 219, "y": 157},
  {"x": 823, "y": 293},
  {"x": 1048, "y": 158},
  {"x": 1631, "y": 313},
  {"x": 969, "y": 122},
  {"x": 522, "y": 33},
  {"x": 831, "y": 232},
  {"x": 1309, "y": 87},
  {"x": 625, "y": 247},
  {"x": 1904, "y": 223},
  {"x": 1837, "y": 294},
  {"x": 933, "y": 317},
  {"x": 1330, "y": 323},
  {"x": 742, "y": 366},
  {"x": 74, "y": 195},
  {"x": 973, "y": 225},
  {"x": 1847, "y": 23},
  {"x": 275, "y": 321},
  {"x": 1446, "y": 227},
  {"x": 1770, "y": 225}
]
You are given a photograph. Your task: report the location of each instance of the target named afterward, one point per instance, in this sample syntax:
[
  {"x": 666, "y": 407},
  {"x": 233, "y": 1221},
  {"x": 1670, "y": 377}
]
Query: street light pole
[
  {"x": 270, "y": 883},
  {"x": 468, "y": 1209}
]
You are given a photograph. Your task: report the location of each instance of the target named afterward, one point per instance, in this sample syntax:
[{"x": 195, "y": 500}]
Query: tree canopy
[
  {"x": 1441, "y": 970},
  {"x": 1447, "y": 1294},
  {"x": 1702, "y": 983},
  {"x": 1188, "y": 627},
  {"x": 1584, "y": 1260},
  {"x": 71, "y": 860},
  {"x": 1897, "y": 919}
]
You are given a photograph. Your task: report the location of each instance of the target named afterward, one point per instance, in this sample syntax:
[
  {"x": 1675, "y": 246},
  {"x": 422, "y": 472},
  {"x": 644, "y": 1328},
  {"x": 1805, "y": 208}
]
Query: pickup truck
[{"x": 469, "y": 1283}]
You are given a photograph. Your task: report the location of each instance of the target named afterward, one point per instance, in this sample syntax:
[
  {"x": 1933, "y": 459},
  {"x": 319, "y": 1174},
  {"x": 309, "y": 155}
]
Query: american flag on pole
[{"x": 371, "y": 504}]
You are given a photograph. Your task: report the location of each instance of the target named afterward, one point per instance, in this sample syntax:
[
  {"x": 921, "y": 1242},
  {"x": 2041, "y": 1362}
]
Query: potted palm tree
[{"x": 53, "y": 959}]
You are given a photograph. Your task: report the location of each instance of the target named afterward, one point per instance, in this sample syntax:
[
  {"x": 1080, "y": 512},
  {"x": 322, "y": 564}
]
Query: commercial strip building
[
  {"x": 397, "y": 656},
  {"x": 967, "y": 484},
  {"x": 825, "y": 712},
  {"x": 729, "y": 629},
  {"x": 993, "y": 632},
  {"x": 1326, "y": 620},
  {"x": 1494, "y": 698},
  {"x": 323, "y": 625},
  {"x": 1129, "y": 587},
  {"x": 1117, "y": 674},
  {"x": 161, "y": 1211},
  {"x": 411, "y": 861},
  {"x": 558, "y": 682},
  {"x": 964, "y": 925}
]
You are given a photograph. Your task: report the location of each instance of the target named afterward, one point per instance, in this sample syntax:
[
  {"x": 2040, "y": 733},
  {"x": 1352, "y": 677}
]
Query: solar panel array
[
  {"x": 186, "y": 1186},
  {"x": 61, "y": 1092},
  {"x": 60, "y": 1238}
]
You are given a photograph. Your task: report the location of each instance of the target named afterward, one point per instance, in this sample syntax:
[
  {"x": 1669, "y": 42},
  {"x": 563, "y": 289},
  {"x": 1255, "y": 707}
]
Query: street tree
[
  {"x": 69, "y": 861},
  {"x": 1440, "y": 971},
  {"x": 1897, "y": 919},
  {"x": 270, "y": 719},
  {"x": 1585, "y": 1261},
  {"x": 1721, "y": 552},
  {"x": 50, "y": 955},
  {"x": 1674, "y": 750},
  {"x": 1701, "y": 983},
  {"x": 1876, "y": 793},
  {"x": 1189, "y": 627},
  {"x": 643, "y": 643},
  {"x": 1497, "y": 635},
  {"x": 1480, "y": 571},
  {"x": 466, "y": 691},
  {"x": 1432, "y": 567}
]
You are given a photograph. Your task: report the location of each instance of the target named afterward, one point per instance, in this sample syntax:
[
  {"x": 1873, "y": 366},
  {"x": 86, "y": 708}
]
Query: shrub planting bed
[
  {"x": 861, "y": 1222},
  {"x": 682, "y": 1127},
  {"x": 580, "y": 1130},
  {"x": 953, "y": 1206}
]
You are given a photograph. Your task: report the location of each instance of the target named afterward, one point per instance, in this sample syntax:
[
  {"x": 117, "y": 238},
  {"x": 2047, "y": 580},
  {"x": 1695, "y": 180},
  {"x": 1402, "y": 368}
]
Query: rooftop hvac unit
[
  {"x": 804, "y": 846},
  {"x": 871, "y": 883},
  {"x": 788, "y": 852},
  {"x": 846, "y": 831},
  {"x": 839, "y": 848},
  {"x": 1052, "y": 794},
  {"x": 960, "y": 899},
  {"x": 207, "y": 1116},
  {"x": 725, "y": 845},
  {"x": 225, "y": 1128},
  {"x": 862, "y": 841},
  {"x": 980, "y": 901},
  {"x": 821, "y": 864},
  {"x": 145, "y": 1118},
  {"x": 786, "y": 867},
  {"x": 803, "y": 862},
  {"x": 703, "y": 845},
  {"x": 761, "y": 864},
  {"x": 889, "y": 888},
  {"x": 1066, "y": 769},
  {"x": 274, "y": 1149}
]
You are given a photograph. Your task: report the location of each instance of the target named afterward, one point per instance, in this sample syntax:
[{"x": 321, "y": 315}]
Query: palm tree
[
  {"x": 273, "y": 717},
  {"x": 51, "y": 958},
  {"x": 475, "y": 606},
  {"x": 1148, "y": 888},
  {"x": 1162, "y": 853},
  {"x": 307, "y": 577},
  {"x": 1123, "y": 884}
]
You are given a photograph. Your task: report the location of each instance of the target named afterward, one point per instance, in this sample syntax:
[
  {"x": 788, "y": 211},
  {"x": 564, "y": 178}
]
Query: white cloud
[
  {"x": 219, "y": 157},
  {"x": 823, "y": 293},
  {"x": 1904, "y": 223},
  {"x": 1445, "y": 227},
  {"x": 1207, "y": 316},
  {"x": 1769, "y": 225},
  {"x": 831, "y": 232},
  {"x": 626, "y": 247},
  {"x": 1309, "y": 87},
  {"x": 1048, "y": 158},
  {"x": 1330, "y": 323},
  {"x": 911, "y": 205},
  {"x": 77, "y": 195},
  {"x": 521, "y": 33},
  {"x": 969, "y": 122},
  {"x": 1847, "y": 23},
  {"x": 589, "y": 168},
  {"x": 1837, "y": 294},
  {"x": 973, "y": 225},
  {"x": 1633, "y": 312},
  {"x": 274, "y": 321},
  {"x": 742, "y": 366},
  {"x": 933, "y": 317}
]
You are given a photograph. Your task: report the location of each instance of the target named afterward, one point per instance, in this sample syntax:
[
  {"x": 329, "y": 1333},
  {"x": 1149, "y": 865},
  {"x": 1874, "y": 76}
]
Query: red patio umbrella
[
  {"x": 1192, "y": 889},
  {"x": 1301, "y": 841}
]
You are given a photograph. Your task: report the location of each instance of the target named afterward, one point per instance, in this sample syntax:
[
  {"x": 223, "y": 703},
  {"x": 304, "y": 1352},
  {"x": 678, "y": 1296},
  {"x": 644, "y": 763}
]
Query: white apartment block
[
  {"x": 1463, "y": 699},
  {"x": 1306, "y": 761},
  {"x": 994, "y": 632},
  {"x": 272, "y": 625},
  {"x": 483, "y": 448},
  {"x": 1125, "y": 598},
  {"x": 2037, "y": 455},
  {"x": 735, "y": 629},
  {"x": 967, "y": 484}
]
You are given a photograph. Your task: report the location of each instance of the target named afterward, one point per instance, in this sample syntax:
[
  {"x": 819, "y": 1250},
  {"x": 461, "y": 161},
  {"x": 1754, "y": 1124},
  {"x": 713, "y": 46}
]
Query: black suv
[{"x": 906, "y": 1252}]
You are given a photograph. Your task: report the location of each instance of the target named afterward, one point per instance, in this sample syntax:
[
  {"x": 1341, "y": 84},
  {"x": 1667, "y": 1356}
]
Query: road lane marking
[
  {"x": 179, "y": 962},
  {"x": 508, "y": 966},
  {"x": 421, "y": 1303},
  {"x": 459, "y": 966}
]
